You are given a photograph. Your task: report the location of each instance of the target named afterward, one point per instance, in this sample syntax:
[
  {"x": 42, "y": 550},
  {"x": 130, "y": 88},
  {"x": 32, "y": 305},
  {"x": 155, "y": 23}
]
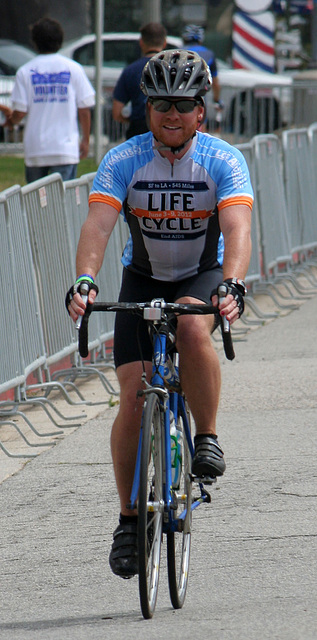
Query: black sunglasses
[{"x": 182, "y": 106}]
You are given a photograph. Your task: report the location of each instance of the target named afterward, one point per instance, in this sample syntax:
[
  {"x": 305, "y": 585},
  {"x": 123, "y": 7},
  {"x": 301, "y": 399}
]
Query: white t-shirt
[{"x": 50, "y": 89}]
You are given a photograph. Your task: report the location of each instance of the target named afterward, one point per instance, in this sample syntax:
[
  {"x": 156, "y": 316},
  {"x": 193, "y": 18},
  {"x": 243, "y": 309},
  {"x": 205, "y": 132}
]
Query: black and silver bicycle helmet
[{"x": 176, "y": 73}]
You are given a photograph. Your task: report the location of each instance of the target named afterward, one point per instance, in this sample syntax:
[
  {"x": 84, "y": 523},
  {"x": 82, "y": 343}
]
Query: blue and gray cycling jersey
[{"x": 172, "y": 210}]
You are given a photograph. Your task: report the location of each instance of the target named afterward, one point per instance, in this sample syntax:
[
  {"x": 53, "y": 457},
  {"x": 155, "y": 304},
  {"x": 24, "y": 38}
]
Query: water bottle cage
[
  {"x": 176, "y": 453},
  {"x": 171, "y": 377}
]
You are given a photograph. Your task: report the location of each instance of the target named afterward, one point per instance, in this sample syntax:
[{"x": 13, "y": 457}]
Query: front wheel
[
  {"x": 151, "y": 504},
  {"x": 178, "y": 543}
]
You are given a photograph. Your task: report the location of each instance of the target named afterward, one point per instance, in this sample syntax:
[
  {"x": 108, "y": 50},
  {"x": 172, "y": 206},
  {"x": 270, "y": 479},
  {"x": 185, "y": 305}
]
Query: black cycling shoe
[
  {"x": 208, "y": 458},
  {"x": 123, "y": 558}
]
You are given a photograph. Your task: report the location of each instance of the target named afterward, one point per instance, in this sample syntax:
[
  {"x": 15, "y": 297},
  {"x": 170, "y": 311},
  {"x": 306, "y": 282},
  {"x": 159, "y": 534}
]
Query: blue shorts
[
  {"x": 67, "y": 171},
  {"x": 131, "y": 337}
]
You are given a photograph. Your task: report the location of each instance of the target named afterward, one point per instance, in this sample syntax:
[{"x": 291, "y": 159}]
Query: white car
[
  {"x": 119, "y": 50},
  {"x": 12, "y": 56}
]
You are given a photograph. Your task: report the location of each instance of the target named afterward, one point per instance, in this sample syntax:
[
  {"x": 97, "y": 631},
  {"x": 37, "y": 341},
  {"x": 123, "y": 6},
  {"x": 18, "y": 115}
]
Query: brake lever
[
  {"x": 225, "y": 327},
  {"x": 222, "y": 292},
  {"x": 84, "y": 290}
]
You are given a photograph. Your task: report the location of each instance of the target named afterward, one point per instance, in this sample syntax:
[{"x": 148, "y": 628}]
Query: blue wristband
[{"x": 85, "y": 276}]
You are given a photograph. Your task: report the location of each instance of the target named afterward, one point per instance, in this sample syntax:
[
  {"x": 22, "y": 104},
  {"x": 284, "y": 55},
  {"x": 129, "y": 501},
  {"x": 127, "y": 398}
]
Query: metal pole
[
  {"x": 99, "y": 21},
  {"x": 151, "y": 11},
  {"x": 314, "y": 34}
]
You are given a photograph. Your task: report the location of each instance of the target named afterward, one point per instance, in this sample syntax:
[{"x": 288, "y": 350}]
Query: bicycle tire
[
  {"x": 150, "y": 505},
  {"x": 178, "y": 543}
]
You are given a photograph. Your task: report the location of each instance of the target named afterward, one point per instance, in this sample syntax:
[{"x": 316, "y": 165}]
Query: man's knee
[{"x": 193, "y": 330}]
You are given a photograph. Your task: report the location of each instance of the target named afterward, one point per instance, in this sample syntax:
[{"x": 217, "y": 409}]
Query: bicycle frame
[{"x": 175, "y": 402}]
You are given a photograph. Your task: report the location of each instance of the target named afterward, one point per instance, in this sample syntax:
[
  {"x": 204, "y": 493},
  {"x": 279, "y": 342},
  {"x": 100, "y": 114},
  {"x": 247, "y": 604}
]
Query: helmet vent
[{"x": 176, "y": 73}]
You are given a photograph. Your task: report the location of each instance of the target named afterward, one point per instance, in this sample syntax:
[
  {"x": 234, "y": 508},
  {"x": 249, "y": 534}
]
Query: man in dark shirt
[{"x": 127, "y": 89}]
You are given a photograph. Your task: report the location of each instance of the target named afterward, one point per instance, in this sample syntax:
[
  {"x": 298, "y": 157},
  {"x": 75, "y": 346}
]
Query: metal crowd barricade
[
  {"x": 109, "y": 277},
  {"x": 11, "y": 363},
  {"x": 55, "y": 270},
  {"x": 51, "y": 251},
  {"x": 276, "y": 246},
  {"x": 22, "y": 343},
  {"x": 274, "y": 230},
  {"x": 76, "y": 201},
  {"x": 30, "y": 334},
  {"x": 300, "y": 190},
  {"x": 90, "y": 178},
  {"x": 312, "y": 138},
  {"x": 301, "y": 196},
  {"x": 254, "y": 271},
  {"x": 30, "y": 326},
  {"x": 76, "y": 194}
]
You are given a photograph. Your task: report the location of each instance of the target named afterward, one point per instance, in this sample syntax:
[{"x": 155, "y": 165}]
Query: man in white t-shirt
[{"x": 55, "y": 97}]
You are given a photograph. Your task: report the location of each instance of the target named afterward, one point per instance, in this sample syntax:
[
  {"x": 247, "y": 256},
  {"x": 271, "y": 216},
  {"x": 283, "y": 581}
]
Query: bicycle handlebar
[{"x": 148, "y": 310}]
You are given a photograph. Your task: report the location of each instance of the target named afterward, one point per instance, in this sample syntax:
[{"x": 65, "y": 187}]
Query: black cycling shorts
[{"x": 131, "y": 338}]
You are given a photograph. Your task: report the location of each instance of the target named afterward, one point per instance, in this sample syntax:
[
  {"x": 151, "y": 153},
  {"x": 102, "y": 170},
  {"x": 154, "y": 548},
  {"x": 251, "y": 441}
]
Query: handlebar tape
[{"x": 83, "y": 333}]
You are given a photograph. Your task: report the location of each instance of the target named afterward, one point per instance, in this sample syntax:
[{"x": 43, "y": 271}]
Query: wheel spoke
[
  {"x": 178, "y": 542},
  {"x": 150, "y": 505}
]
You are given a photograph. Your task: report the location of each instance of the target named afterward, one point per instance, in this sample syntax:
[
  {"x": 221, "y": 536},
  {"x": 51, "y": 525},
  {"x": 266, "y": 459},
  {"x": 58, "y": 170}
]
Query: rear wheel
[
  {"x": 150, "y": 505},
  {"x": 178, "y": 543}
]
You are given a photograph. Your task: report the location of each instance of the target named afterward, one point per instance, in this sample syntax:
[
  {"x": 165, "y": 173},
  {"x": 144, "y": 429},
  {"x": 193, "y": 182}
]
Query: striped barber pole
[{"x": 253, "y": 41}]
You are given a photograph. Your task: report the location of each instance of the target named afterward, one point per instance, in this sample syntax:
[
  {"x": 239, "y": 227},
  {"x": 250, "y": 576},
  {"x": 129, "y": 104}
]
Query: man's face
[{"x": 171, "y": 127}]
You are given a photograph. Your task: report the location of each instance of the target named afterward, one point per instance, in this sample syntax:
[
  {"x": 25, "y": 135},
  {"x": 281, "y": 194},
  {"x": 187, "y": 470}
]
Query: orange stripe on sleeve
[
  {"x": 245, "y": 200},
  {"x": 98, "y": 197}
]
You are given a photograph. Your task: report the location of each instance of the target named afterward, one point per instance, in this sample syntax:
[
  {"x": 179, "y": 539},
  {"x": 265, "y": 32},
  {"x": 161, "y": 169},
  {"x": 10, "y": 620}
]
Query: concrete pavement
[{"x": 253, "y": 560}]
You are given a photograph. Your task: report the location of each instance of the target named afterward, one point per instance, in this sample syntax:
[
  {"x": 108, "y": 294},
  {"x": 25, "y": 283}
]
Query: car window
[
  {"x": 85, "y": 55},
  {"x": 120, "y": 53},
  {"x": 116, "y": 53}
]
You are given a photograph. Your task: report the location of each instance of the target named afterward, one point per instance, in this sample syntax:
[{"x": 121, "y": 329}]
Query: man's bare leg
[
  {"x": 201, "y": 382},
  {"x": 126, "y": 429}
]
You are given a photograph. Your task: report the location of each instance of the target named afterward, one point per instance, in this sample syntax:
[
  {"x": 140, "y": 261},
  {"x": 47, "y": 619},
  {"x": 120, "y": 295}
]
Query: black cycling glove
[
  {"x": 85, "y": 280},
  {"x": 237, "y": 289}
]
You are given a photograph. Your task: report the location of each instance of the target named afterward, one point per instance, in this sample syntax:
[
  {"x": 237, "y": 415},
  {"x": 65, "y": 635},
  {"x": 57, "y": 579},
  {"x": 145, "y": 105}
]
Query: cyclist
[
  {"x": 193, "y": 37},
  {"x": 178, "y": 190}
]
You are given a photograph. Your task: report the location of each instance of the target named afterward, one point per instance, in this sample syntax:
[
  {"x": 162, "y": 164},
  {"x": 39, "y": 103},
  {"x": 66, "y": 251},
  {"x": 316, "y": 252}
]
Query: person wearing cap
[
  {"x": 187, "y": 199},
  {"x": 193, "y": 37}
]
